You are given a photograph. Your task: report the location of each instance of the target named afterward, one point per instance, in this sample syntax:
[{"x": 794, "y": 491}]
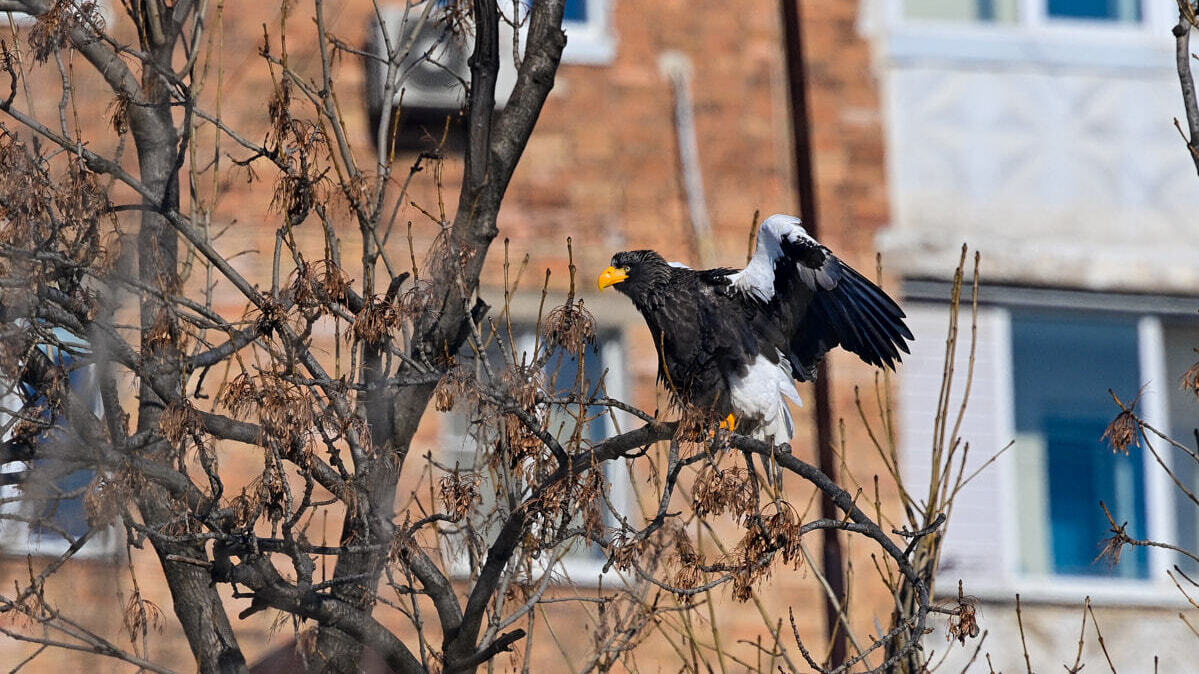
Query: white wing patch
[
  {"x": 678, "y": 265},
  {"x": 757, "y": 279},
  {"x": 762, "y": 395}
]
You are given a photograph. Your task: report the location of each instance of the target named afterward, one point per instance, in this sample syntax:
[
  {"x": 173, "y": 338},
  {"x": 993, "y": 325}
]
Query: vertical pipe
[
  {"x": 676, "y": 67},
  {"x": 805, "y": 184}
]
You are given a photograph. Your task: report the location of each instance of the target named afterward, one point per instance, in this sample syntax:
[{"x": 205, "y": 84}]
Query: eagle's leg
[{"x": 730, "y": 423}]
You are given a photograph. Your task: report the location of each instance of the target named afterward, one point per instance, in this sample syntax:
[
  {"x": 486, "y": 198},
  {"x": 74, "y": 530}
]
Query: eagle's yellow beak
[{"x": 612, "y": 276}]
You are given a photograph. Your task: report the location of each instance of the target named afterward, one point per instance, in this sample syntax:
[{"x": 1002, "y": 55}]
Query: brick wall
[{"x": 602, "y": 168}]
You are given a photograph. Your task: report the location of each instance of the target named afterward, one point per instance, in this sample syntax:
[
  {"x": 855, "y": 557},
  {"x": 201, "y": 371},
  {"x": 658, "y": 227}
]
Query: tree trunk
[{"x": 195, "y": 599}]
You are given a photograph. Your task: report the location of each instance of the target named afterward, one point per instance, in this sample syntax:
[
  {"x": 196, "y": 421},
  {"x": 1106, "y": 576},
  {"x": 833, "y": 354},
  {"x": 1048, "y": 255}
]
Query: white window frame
[
  {"x": 1159, "y": 512},
  {"x": 16, "y": 537},
  {"x": 591, "y": 42},
  {"x": 1006, "y": 579},
  {"x": 581, "y": 570},
  {"x": 1160, "y": 519},
  {"x": 19, "y": 540},
  {"x": 587, "y": 570},
  {"x": 1034, "y": 38}
]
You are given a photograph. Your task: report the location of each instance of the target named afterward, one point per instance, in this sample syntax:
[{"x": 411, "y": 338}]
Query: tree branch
[
  {"x": 1182, "y": 60},
  {"x": 271, "y": 589}
]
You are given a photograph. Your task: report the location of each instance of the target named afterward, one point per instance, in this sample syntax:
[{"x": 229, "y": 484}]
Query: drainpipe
[
  {"x": 832, "y": 562},
  {"x": 676, "y": 68}
]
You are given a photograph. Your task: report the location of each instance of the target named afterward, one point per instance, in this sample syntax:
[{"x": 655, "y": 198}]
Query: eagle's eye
[{"x": 625, "y": 269}]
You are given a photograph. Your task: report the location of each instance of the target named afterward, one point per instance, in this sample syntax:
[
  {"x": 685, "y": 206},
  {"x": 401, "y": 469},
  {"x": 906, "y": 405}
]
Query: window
[
  {"x": 576, "y": 11},
  {"x": 1025, "y": 11},
  {"x": 42, "y": 501},
  {"x": 429, "y": 82},
  {"x": 962, "y": 10},
  {"x": 1031, "y": 522},
  {"x": 1088, "y": 35},
  {"x": 1096, "y": 10},
  {"x": 51, "y": 504},
  {"x": 602, "y": 365},
  {"x": 1063, "y": 365},
  {"x": 589, "y": 35},
  {"x": 1181, "y": 338}
]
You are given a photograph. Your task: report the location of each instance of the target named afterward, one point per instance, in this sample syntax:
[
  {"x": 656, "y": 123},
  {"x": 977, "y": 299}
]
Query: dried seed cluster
[
  {"x": 964, "y": 623},
  {"x": 315, "y": 285},
  {"x": 49, "y": 32},
  {"x": 376, "y": 321},
  {"x": 107, "y": 495},
  {"x": 179, "y": 420},
  {"x": 460, "y": 493},
  {"x": 457, "y": 384},
  {"x": 1123, "y": 432},
  {"x": 1190, "y": 380},
  {"x": 570, "y": 327},
  {"x": 284, "y": 409},
  {"x": 718, "y": 491}
]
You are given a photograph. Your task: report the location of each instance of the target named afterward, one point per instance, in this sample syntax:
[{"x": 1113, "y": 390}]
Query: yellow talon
[{"x": 730, "y": 423}]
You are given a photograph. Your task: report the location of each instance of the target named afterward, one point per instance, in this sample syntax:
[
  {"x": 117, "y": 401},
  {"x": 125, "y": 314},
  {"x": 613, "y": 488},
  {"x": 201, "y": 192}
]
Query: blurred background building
[
  {"x": 1039, "y": 132},
  {"x": 1042, "y": 133}
]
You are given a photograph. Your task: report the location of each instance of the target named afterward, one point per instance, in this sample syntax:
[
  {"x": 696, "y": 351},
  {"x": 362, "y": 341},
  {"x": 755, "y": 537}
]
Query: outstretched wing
[{"x": 817, "y": 301}]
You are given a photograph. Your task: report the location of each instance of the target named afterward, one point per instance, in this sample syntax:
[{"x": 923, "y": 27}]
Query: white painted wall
[
  {"x": 1053, "y": 152},
  {"x": 977, "y": 546},
  {"x": 1132, "y": 637},
  {"x": 1051, "y": 149}
]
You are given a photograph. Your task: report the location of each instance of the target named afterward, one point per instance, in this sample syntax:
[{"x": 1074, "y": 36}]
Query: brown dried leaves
[
  {"x": 376, "y": 321},
  {"x": 166, "y": 331},
  {"x": 1123, "y": 431},
  {"x": 48, "y": 213},
  {"x": 284, "y": 409},
  {"x": 301, "y": 143},
  {"x": 459, "y": 493},
  {"x": 456, "y": 385},
  {"x": 570, "y": 327},
  {"x": 963, "y": 624},
  {"x": 718, "y": 491},
  {"x": 315, "y": 285},
  {"x": 1190, "y": 380},
  {"x": 107, "y": 496},
  {"x": 179, "y": 420},
  {"x": 51, "y": 31},
  {"x": 141, "y": 615}
]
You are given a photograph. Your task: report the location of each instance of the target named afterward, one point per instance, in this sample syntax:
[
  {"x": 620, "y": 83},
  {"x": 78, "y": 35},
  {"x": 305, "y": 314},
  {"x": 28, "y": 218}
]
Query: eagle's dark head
[{"x": 640, "y": 274}]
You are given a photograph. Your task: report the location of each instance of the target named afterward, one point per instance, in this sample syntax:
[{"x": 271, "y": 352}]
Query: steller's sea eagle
[{"x": 731, "y": 341}]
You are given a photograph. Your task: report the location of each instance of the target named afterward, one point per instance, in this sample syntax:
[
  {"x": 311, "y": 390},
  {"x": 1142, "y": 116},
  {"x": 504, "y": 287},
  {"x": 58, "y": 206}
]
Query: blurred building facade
[
  {"x": 603, "y": 167},
  {"x": 1037, "y": 131},
  {"x": 1041, "y": 133}
]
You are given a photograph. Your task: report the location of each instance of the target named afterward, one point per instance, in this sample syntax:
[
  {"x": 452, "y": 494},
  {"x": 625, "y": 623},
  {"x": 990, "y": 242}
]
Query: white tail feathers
[{"x": 760, "y": 398}]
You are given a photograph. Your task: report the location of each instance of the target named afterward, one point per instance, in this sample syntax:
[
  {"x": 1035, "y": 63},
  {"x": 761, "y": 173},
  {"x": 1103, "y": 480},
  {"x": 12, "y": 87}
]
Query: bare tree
[{"x": 110, "y": 269}]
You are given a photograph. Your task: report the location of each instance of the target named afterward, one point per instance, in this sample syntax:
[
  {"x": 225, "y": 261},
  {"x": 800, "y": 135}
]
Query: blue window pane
[
  {"x": 1108, "y": 10},
  {"x": 1063, "y": 366},
  {"x": 559, "y": 378},
  {"x": 576, "y": 10},
  {"x": 57, "y": 495},
  {"x": 64, "y": 508},
  {"x": 1082, "y": 473},
  {"x": 562, "y": 379},
  {"x": 562, "y": 372}
]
